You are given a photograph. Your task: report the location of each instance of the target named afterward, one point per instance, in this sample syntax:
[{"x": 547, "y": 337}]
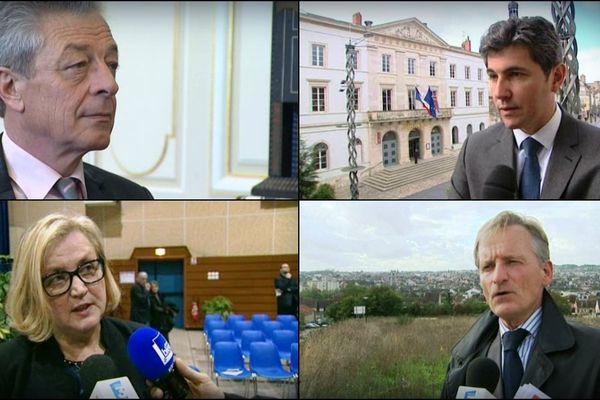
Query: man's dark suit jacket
[
  {"x": 140, "y": 304},
  {"x": 573, "y": 169},
  {"x": 100, "y": 184},
  {"x": 564, "y": 361}
]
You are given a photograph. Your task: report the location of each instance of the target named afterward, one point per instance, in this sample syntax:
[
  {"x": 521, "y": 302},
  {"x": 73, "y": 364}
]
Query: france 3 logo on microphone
[{"x": 162, "y": 349}]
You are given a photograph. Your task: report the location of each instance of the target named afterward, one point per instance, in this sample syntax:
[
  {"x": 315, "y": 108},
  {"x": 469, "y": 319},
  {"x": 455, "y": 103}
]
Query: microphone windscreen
[
  {"x": 150, "y": 353},
  {"x": 501, "y": 184},
  {"x": 483, "y": 373},
  {"x": 97, "y": 367}
]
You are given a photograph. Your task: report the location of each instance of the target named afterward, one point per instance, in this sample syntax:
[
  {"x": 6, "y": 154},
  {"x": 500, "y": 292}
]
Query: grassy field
[{"x": 382, "y": 358}]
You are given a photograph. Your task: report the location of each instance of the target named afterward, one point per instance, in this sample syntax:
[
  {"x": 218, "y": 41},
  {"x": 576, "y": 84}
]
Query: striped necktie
[{"x": 67, "y": 188}]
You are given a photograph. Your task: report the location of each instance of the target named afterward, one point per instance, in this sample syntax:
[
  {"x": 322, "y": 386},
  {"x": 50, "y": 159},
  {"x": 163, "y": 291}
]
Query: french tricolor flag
[{"x": 429, "y": 103}]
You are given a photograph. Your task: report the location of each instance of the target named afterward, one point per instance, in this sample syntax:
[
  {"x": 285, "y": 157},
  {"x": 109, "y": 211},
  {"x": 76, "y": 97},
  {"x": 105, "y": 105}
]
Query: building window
[
  {"x": 411, "y": 66},
  {"x": 479, "y": 73},
  {"x": 385, "y": 62},
  {"x": 317, "y": 55},
  {"x": 453, "y": 98},
  {"x": 431, "y": 68},
  {"x": 386, "y": 95},
  {"x": 452, "y": 70},
  {"x": 481, "y": 126},
  {"x": 320, "y": 156},
  {"x": 318, "y": 99},
  {"x": 481, "y": 97},
  {"x": 411, "y": 99},
  {"x": 467, "y": 72},
  {"x": 467, "y": 98},
  {"x": 356, "y": 59}
]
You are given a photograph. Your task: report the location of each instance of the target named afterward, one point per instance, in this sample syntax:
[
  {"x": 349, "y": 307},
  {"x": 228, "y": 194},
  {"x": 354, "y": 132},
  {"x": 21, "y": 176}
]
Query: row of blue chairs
[
  {"x": 228, "y": 363},
  {"x": 287, "y": 321},
  {"x": 282, "y": 339}
]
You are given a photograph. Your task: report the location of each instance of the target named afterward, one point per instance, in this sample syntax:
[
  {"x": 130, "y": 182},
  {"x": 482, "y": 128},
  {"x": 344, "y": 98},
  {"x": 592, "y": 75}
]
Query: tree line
[{"x": 386, "y": 301}]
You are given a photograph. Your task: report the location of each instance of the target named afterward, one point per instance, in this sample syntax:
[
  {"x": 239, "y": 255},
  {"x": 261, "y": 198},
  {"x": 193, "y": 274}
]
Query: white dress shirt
[
  {"x": 545, "y": 136},
  {"x": 30, "y": 178}
]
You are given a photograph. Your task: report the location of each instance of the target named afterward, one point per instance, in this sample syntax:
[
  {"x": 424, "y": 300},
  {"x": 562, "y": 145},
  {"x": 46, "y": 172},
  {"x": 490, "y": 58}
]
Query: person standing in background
[
  {"x": 140, "y": 299},
  {"x": 286, "y": 290}
]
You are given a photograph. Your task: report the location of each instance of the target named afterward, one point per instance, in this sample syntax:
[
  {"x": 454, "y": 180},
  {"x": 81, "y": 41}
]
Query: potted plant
[
  {"x": 218, "y": 305},
  {"x": 5, "y": 332}
]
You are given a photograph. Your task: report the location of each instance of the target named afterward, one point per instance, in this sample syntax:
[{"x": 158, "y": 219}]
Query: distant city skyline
[
  {"x": 379, "y": 236},
  {"x": 454, "y": 21}
]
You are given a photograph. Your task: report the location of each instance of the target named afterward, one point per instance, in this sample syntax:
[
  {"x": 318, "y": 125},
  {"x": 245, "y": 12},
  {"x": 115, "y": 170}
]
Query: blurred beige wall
[{"x": 207, "y": 228}]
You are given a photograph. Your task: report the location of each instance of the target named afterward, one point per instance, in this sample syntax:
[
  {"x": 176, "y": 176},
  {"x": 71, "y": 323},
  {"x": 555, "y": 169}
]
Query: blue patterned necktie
[
  {"x": 67, "y": 188},
  {"x": 529, "y": 187},
  {"x": 512, "y": 371}
]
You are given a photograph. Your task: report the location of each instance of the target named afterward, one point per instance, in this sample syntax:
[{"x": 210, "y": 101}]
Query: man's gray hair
[
  {"x": 536, "y": 33},
  {"x": 20, "y": 35},
  {"x": 508, "y": 218}
]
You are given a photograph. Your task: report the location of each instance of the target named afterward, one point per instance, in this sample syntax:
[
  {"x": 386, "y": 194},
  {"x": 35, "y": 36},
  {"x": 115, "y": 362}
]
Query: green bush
[
  {"x": 324, "y": 192},
  {"x": 218, "y": 305},
  {"x": 5, "y": 332}
]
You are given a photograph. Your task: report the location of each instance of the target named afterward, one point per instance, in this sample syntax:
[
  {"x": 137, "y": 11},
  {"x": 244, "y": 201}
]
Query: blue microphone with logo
[{"x": 152, "y": 356}]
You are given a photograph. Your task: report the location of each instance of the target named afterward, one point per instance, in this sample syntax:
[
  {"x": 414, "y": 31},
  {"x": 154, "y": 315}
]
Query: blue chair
[
  {"x": 283, "y": 340},
  {"x": 232, "y": 319},
  {"x": 249, "y": 337},
  {"x": 268, "y": 327},
  {"x": 294, "y": 326},
  {"x": 257, "y": 320},
  {"x": 229, "y": 364},
  {"x": 209, "y": 327},
  {"x": 212, "y": 317},
  {"x": 286, "y": 320},
  {"x": 294, "y": 358},
  {"x": 220, "y": 335},
  {"x": 265, "y": 364},
  {"x": 241, "y": 326}
]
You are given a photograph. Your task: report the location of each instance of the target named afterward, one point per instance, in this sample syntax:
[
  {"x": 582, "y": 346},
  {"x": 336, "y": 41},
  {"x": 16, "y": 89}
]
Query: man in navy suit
[
  {"x": 58, "y": 63},
  {"x": 546, "y": 153}
]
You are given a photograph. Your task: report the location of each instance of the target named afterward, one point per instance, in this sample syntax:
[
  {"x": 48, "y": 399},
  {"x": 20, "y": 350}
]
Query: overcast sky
[
  {"x": 453, "y": 21},
  {"x": 432, "y": 235}
]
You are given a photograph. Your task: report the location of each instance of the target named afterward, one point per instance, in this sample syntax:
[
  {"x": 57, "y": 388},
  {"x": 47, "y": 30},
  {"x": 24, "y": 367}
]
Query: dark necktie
[
  {"x": 529, "y": 187},
  {"x": 512, "y": 371},
  {"x": 67, "y": 188}
]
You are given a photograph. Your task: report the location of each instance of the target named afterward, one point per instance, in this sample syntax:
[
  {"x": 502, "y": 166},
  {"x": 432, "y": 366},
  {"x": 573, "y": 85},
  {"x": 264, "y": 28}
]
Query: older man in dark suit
[
  {"x": 538, "y": 151},
  {"x": 524, "y": 333},
  {"x": 58, "y": 64}
]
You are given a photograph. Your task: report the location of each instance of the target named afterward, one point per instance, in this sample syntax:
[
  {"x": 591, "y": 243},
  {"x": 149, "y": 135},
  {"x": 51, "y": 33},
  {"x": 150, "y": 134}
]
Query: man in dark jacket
[
  {"x": 140, "y": 299},
  {"x": 560, "y": 358},
  {"x": 286, "y": 290}
]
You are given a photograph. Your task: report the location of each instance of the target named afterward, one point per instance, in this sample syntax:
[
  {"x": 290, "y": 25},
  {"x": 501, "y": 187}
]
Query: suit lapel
[
  {"x": 506, "y": 155},
  {"x": 6, "y": 190},
  {"x": 494, "y": 355},
  {"x": 93, "y": 184},
  {"x": 563, "y": 160}
]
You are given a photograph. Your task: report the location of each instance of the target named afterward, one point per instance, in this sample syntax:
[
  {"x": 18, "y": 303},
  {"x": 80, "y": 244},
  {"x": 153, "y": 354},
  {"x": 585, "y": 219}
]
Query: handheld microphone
[
  {"x": 482, "y": 379},
  {"x": 152, "y": 356},
  {"x": 98, "y": 380},
  {"x": 501, "y": 184}
]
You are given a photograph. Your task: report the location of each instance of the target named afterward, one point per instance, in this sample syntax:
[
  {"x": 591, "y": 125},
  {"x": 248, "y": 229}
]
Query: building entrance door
[
  {"x": 169, "y": 274},
  {"x": 413, "y": 145},
  {"x": 436, "y": 143},
  {"x": 390, "y": 152}
]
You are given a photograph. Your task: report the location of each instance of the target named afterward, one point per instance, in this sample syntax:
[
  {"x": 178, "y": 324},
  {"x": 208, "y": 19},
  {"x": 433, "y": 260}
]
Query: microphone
[
  {"x": 501, "y": 184},
  {"x": 98, "y": 380},
  {"x": 152, "y": 356},
  {"x": 482, "y": 379}
]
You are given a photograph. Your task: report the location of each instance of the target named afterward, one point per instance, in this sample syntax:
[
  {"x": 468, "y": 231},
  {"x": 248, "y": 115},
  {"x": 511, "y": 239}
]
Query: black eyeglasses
[{"x": 60, "y": 282}]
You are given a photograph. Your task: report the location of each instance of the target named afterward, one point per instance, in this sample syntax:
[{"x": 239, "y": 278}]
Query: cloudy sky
[
  {"x": 453, "y": 21},
  {"x": 432, "y": 235}
]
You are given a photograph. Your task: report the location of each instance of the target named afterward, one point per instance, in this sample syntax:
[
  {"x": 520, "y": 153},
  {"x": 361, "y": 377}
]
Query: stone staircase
[{"x": 392, "y": 178}]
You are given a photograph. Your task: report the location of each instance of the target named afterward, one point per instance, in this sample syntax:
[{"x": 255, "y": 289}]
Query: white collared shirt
[
  {"x": 545, "y": 136},
  {"x": 532, "y": 325},
  {"x": 30, "y": 178}
]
